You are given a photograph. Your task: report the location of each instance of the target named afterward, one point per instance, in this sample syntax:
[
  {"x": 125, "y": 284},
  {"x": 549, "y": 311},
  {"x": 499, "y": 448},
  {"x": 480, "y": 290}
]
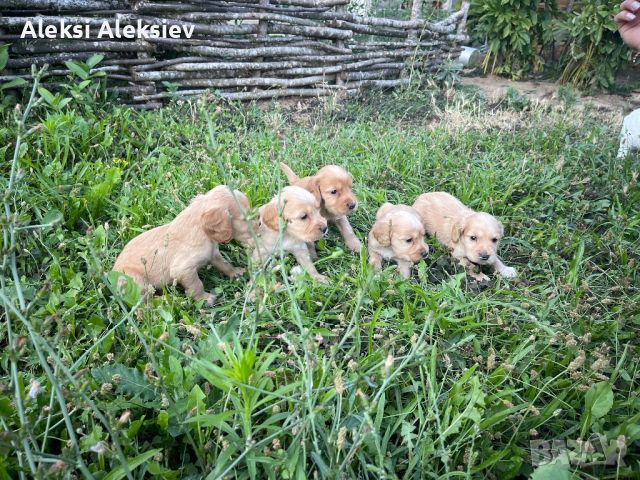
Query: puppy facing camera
[
  {"x": 291, "y": 221},
  {"x": 472, "y": 237},
  {"x": 397, "y": 235},
  {"x": 332, "y": 186}
]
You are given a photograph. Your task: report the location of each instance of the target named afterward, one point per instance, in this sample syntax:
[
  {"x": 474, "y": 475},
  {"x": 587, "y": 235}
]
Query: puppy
[
  {"x": 332, "y": 187},
  {"x": 472, "y": 237},
  {"x": 174, "y": 252},
  {"x": 297, "y": 212},
  {"x": 630, "y": 134},
  {"x": 397, "y": 235}
]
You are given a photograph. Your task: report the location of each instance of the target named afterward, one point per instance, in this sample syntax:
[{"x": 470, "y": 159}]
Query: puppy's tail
[{"x": 292, "y": 177}]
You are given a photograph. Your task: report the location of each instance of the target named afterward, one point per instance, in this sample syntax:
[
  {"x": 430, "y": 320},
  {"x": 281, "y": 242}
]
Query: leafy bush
[
  {"x": 594, "y": 50},
  {"x": 519, "y": 34},
  {"x": 516, "y": 31}
]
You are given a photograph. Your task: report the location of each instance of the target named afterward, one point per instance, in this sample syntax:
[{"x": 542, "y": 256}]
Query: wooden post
[
  {"x": 341, "y": 76},
  {"x": 416, "y": 10},
  {"x": 463, "y": 21},
  {"x": 143, "y": 56},
  {"x": 263, "y": 31},
  {"x": 412, "y": 35}
]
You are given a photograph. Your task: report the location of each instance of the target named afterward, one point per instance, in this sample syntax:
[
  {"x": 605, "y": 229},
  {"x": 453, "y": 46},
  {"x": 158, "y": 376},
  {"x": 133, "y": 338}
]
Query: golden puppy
[
  {"x": 472, "y": 237},
  {"x": 332, "y": 186},
  {"x": 297, "y": 211},
  {"x": 174, "y": 252},
  {"x": 397, "y": 235}
]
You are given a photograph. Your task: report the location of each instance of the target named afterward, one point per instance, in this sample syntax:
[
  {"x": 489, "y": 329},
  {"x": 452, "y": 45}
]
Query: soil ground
[{"x": 547, "y": 92}]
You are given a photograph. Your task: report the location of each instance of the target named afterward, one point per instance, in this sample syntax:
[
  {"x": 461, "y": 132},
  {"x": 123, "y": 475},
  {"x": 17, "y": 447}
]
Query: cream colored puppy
[
  {"x": 297, "y": 212},
  {"x": 333, "y": 187},
  {"x": 472, "y": 237},
  {"x": 174, "y": 252},
  {"x": 397, "y": 235}
]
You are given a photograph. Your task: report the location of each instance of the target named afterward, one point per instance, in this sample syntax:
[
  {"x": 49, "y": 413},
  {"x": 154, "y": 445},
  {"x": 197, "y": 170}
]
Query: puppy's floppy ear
[
  {"x": 457, "y": 229},
  {"x": 311, "y": 184},
  {"x": 269, "y": 215},
  {"x": 382, "y": 232},
  {"x": 382, "y": 211},
  {"x": 216, "y": 224}
]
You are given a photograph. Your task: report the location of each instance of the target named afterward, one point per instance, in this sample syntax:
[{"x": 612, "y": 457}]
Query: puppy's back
[
  {"x": 438, "y": 210},
  {"x": 144, "y": 255}
]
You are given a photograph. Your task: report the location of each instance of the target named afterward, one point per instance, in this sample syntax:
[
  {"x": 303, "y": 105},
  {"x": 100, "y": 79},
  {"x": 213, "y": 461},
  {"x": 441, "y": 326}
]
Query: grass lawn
[{"x": 367, "y": 376}]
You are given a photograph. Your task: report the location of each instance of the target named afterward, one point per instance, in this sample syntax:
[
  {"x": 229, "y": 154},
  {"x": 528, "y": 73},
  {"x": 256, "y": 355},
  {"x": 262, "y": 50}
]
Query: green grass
[{"x": 368, "y": 376}]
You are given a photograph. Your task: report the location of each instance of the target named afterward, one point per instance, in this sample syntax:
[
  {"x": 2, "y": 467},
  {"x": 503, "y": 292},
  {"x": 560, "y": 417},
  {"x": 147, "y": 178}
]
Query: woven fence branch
[{"x": 244, "y": 49}]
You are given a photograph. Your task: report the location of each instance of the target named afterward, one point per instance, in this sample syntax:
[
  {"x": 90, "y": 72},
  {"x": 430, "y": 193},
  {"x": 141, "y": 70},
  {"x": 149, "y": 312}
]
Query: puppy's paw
[
  {"x": 353, "y": 244},
  {"x": 236, "y": 272},
  {"x": 480, "y": 277},
  {"x": 295, "y": 272},
  {"x": 253, "y": 294},
  {"x": 508, "y": 272},
  {"x": 320, "y": 278},
  {"x": 209, "y": 298},
  {"x": 405, "y": 274}
]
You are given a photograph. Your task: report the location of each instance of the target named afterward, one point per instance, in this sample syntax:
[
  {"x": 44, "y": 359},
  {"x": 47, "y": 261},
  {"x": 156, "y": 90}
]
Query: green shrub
[
  {"x": 516, "y": 31},
  {"x": 519, "y": 34},
  {"x": 595, "y": 51}
]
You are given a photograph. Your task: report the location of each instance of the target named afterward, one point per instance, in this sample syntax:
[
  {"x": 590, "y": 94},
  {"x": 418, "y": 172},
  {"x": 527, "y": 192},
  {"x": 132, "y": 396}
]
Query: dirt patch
[{"x": 547, "y": 92}]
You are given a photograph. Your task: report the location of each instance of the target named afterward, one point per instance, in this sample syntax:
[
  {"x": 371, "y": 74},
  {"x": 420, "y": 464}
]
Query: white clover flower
[
  {"x": 99, "y": 448},
  {"x": 34, "y": 389}
]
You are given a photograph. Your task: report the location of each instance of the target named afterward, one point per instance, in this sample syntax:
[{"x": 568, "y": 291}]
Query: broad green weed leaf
[
  {"x": 210, "y": 420},
  {"x": 125, "y": 286},
  {"x": 552, "y": 471},
  {"x": 131, "y": 382},
  {"x": 94, "y": 60},
  {"x": 599, "y": 399},
  {"x": 47, "y": 96},
  {"x": 163, "y": 419},
  {"x": 15, "y": 83},
  {"x": 78, "y": 69},
  {"x": 132, "y": 463},
  {"x": 52, "y": 217},
  {"x": 4, "y": 56}
]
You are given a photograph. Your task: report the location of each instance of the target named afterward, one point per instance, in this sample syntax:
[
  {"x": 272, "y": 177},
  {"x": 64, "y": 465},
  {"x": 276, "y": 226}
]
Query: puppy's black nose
[
  {"x": 352, "y": 206},
  {"x": 425, "y": 254},
  {"x": 484, "y": 256},
  {"x": 324, "y": 229}
]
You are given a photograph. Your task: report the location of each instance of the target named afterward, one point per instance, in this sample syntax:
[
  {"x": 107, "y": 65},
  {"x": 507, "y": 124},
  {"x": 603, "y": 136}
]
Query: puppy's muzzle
[
  {"x": 425, "y": 253},
  {"x": 484, "y": 256},
  {"x": 352, "y": 205},
  {"x": 324, "y": 229}
]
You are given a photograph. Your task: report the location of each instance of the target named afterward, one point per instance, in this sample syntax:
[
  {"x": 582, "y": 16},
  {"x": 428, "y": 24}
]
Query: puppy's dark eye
[
  {"x": 304, "y": 217},
  {"x": 333, "y": 192},
  {"x": 473, "y": 238},
  {"x": 409, "y": 240},
  {"x": 494, "y": 240}
]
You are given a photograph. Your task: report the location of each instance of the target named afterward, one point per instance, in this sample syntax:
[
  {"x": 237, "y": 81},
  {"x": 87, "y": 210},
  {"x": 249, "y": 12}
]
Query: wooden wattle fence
[{"x": 242, "y": 49}]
